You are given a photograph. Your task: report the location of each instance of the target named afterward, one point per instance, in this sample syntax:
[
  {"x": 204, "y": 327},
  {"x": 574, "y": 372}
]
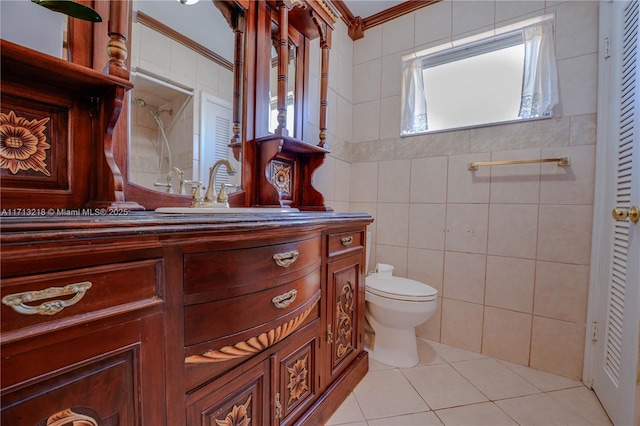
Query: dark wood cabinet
[
  {"x": 171, "y": 320},
  {"x": 344, "y": 300},
  {"x": 81, "y": 344}
]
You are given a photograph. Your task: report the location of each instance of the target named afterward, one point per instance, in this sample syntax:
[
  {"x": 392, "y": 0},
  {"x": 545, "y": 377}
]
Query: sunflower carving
[
  {"x": 238, "y": 416},
  {"x": 281, "y": 177},
  {"x": 297, "y": 379},
  {"x": 23, "y": 144}
]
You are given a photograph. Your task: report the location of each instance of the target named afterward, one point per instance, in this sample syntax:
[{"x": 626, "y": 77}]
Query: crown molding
[{"x": 358, "y": 25}]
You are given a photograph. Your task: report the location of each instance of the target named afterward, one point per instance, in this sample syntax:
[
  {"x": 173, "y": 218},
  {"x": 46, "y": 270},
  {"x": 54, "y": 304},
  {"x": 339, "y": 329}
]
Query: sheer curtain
[
  {"x": 540, "y": 82},
  {"x": 414, "y": 105}
]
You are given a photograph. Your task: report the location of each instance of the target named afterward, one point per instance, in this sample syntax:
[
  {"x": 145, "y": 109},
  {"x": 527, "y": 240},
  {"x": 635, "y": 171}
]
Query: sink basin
[{"x": 230, "y": 210}]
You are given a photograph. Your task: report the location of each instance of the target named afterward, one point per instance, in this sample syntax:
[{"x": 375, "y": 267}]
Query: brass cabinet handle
[
  {"x": 346, "y": 241},
  {"x": 632, "y": 213},
  {"x": 285, "y": 300},
  {"x": 278, "y": 407},
  {"x": 68, "y": 416},
  {"x": 18, "y": 301},
  {"x": 286, "y": 259}
]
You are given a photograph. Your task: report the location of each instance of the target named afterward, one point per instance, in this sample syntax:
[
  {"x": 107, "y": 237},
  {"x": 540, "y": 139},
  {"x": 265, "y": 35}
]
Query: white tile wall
[{"x": 494, "y": 242}]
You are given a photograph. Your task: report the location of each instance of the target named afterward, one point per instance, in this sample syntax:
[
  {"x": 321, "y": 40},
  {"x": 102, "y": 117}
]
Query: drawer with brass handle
[
  {"x": 227, "y": 273},
  {"x": 344, "y": 242},
  {"x": 43, "y": 298},
  {"x": 239, "y": 318}
]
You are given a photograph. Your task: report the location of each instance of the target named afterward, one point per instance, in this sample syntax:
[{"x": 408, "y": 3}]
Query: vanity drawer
[
  {"x": 81, "y": 293},
  {"x": 237, "y": 319},
  {"x": 344, "y": 242},
  {"x": 234, "y": 272}
]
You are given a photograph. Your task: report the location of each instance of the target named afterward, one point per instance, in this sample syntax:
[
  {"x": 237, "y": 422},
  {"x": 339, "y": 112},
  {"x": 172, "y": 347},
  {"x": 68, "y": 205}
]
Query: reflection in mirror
[
  {"x": 273, "y": 83},
  {"x": 30, "y": 25},
  {"x": 181, "y": 115}
]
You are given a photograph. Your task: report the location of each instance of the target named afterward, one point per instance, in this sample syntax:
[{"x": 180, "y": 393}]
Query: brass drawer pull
[
  {"x": 17, "y": 301},
  {"x": 286, "y": 259},
  {"x": 285, "y": 300},
  {"x": 346, "y": 241},
  {"x": 68, "y": 416}
]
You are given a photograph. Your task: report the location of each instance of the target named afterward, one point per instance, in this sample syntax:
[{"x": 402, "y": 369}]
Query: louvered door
[
  {"x": 616, "y": 353},
  {"x": 215, "y": 135}
]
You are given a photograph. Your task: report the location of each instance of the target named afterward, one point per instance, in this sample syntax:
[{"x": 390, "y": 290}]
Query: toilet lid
[{"x": 399, "y": 288}]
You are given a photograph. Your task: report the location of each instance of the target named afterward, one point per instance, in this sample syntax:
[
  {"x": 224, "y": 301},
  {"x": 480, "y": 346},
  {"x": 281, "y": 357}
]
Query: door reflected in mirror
[{"x": 181, "y": 110}]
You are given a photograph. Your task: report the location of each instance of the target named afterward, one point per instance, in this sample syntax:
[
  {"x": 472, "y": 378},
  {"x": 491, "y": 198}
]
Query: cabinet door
[
  {"x": 109, "y": 377},
  {"x": 235, "y": 399},
  {"x": 345, "y": 313},
  {"x": 297, "y": 372}
]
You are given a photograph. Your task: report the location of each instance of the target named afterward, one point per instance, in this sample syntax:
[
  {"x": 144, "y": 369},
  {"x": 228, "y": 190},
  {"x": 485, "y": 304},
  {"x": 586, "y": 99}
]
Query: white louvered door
[
  {"x": 215, "y": 134},
  {"x": 616, "y": 350}
]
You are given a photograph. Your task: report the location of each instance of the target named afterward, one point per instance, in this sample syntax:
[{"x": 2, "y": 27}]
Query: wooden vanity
[
  {"x": 170, "y": 320},
  {"x": 113, "y": 315}
]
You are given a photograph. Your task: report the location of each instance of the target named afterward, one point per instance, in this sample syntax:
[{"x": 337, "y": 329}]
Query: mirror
[
  {"x": 182, "y": 106},
  {"x": 291, "y": 83}
]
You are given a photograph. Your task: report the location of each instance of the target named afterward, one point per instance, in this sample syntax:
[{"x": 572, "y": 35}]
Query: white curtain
[
  {"x": 414, "y": 104},
  {"x": 540, "y": 82}
]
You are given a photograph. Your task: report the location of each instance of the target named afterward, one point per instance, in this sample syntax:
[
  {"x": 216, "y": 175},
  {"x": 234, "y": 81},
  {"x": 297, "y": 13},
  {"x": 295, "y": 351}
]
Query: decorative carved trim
[
  {"x": 253, "y": 345},
  {"x": 298, "y": 379},
  {"x": 281, "y": 177},
  {"x": 357, "y": 25},
  {"x": 344, "y": 314},
  {"x": 330, "y": 9},
  {"x": 158, "y": 26},
  {"x": 239, "y": 415},
  {"x": 23, "y": 144}
]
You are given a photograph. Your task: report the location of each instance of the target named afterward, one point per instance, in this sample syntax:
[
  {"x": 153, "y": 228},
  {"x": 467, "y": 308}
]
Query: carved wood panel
[{"x": 343, "y": 305}]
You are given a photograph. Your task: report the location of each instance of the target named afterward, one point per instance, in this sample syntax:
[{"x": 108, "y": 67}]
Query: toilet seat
[{"x": 398, "y": 288}]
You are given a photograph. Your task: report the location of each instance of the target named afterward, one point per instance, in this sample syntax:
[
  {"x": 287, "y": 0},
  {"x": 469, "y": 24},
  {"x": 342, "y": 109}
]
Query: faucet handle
[
  {"x": 222, "y": 195},
  {"x": 198, "y": 198}
]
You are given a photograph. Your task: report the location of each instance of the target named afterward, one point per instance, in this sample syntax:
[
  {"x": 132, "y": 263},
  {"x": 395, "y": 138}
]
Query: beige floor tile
[
  {"x": 484, "y": 414},
  {"x": 539, "y": 409},
  {"x": 494, "y": 379},
  {"x": 377, "y": 365},
  {"x": 387, "y": 393},
  {"x": 441, "y": 386},
  {"x": 427, "y": 355},
  {"x": 541, "y": 379},
  {"x": 582, "y": 402},
  {"x": 349, "y": 412},
  {"x": 417, "y": 419},
  {"x": 451, "y": 354}
]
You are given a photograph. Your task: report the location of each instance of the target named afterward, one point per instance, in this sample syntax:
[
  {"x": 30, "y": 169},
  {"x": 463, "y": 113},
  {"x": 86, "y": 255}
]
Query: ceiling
[{"x": 366, "y": 8}]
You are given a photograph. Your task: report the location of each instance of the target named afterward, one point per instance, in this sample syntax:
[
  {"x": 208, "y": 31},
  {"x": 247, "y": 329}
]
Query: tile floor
[{"x": 452, "y": 386}]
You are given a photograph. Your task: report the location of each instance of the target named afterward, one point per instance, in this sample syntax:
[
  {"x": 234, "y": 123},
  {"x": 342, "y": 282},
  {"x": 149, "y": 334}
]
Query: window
[{"x": 505, "y": 77}]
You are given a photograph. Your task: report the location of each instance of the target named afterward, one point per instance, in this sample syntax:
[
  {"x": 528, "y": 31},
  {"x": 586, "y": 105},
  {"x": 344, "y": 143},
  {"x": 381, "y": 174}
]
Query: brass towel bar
[{"x": 561, "y": 161}]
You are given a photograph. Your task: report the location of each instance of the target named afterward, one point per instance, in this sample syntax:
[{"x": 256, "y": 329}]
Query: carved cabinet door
[
  {"x": 235, "y": 399},
  {"x": 297, "y": 370},
  {"x": 345, "y": 302}
]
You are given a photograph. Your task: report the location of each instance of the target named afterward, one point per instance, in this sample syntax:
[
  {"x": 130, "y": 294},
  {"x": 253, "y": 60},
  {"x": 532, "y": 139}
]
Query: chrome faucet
[{"x": 210, "y": 199}]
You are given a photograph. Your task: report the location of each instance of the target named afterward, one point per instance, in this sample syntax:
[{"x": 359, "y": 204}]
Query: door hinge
[
  {"x": 606, "y": 48},
  {"x": 594, "y": 331},
  {"x": 329, "y": 334}
]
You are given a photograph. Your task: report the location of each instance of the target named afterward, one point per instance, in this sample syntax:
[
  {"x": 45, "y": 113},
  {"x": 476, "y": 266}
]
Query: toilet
[{"x": 395, "y": 306}]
